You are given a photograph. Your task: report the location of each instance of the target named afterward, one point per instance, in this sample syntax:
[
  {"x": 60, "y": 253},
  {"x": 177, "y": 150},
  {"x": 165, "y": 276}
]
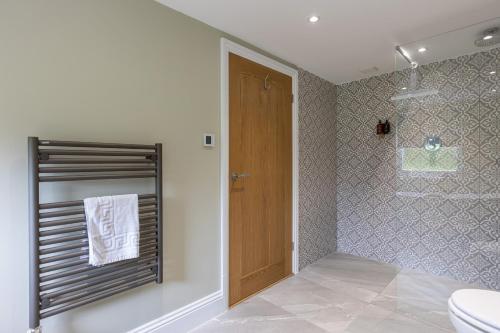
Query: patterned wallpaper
[
  {"x": 441, "y": 221},
  {"x": 317, "y": 154}
]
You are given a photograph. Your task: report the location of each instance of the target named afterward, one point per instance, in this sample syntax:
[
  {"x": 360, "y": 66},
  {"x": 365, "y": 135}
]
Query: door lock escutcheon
[{"x": 235, "y": 176}]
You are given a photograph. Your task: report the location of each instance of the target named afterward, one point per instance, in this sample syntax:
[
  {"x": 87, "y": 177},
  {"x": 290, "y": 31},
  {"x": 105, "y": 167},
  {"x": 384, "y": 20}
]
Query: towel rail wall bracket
[{"x": 60, "y": 278}]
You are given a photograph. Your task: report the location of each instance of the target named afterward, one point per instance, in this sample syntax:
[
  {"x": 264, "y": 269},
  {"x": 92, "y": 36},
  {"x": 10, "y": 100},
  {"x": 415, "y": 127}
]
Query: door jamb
[{"x": 226, "y": 47}]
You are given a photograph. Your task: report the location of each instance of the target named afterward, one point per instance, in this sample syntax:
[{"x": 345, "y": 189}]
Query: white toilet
[{"x": 475, "y": 311}]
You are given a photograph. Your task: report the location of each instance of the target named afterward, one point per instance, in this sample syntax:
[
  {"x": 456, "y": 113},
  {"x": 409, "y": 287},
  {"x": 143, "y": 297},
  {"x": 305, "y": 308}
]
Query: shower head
[
  {"x": 419, "y": 93},
  {"x": 488, "y": 37}
]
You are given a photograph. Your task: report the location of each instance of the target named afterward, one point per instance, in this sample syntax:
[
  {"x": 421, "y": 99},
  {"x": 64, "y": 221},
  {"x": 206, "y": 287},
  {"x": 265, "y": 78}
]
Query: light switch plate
[{"x": 209, "y": 140}]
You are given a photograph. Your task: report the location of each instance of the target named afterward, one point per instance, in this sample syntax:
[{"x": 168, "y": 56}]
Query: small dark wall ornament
[
  {"x": 383, "y": 128},
  {"x": 387, "y": 127}
]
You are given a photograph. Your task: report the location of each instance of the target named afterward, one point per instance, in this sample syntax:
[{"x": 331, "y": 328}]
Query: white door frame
[{"x": 227, "y": 47}]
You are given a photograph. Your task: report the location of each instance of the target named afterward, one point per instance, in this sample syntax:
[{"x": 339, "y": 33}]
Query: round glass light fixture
[
  {"x": 432, "y": 143},
  {"x": 313, "y": 19}
]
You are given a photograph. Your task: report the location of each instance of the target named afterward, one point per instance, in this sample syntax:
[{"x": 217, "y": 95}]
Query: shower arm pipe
[{"x": 406, "y": 57}]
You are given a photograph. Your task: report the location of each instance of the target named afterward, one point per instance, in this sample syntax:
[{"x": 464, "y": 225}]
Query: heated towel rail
[{"x": 60, "y": 277}]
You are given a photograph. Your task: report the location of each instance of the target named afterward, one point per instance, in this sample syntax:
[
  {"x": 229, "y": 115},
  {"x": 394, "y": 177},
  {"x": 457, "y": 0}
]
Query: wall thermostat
[{"x": 209, "y": 140}]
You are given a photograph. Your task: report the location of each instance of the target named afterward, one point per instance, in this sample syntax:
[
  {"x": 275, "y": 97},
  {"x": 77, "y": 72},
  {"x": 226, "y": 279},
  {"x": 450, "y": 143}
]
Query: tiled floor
[{"x": 342, "y": 293}]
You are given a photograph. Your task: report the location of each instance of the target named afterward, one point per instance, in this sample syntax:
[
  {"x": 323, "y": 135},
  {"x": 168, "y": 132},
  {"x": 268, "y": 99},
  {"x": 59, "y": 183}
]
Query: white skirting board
[{"x": 186, "y": 318}]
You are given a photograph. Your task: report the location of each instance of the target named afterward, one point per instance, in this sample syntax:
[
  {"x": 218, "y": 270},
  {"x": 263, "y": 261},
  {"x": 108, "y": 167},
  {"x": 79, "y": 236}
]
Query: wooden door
[{"x": 260, "y": 185}]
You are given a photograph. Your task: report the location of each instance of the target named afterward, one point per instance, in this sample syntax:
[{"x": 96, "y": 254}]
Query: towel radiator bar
[{"x": 60, "y": 278}]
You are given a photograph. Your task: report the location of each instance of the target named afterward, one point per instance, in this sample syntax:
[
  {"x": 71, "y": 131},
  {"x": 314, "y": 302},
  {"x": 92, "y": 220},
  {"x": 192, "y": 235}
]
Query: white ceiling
[{"x": 351, "y": 36}]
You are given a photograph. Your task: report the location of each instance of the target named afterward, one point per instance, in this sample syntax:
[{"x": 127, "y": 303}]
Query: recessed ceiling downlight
[
  {"x": 487, "y": 37},
  {"x": 313, "y": 19},
  {"x": 422, "y": 49}
]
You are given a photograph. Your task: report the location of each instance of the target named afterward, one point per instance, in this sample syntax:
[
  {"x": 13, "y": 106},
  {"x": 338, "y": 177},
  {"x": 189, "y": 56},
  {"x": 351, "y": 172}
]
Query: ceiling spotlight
[
  {"x": 422, "y": 49},
  {"x": 404, "y": 88},
  {"x": 487, "y": 37},
  {"x": 493, "y": 73},
  {"x": 313, "y": 19}
]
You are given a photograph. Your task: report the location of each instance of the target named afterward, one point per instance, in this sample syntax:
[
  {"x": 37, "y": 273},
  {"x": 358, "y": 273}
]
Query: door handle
[{"x": 235, "y": 176}]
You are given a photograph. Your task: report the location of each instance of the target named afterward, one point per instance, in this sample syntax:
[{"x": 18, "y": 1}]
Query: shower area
[{"x": 427, "y": 195}]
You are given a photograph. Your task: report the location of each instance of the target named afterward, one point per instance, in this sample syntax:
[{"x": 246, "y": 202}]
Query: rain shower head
[
  {"x": 488, "y": 38},
  {"x": 415, "y": 94},
  {"x": 412, "y": 90}
]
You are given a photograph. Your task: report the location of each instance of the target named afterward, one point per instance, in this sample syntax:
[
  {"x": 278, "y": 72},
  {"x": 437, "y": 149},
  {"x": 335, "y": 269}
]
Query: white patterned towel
[{"x": 113, "y": 228}]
